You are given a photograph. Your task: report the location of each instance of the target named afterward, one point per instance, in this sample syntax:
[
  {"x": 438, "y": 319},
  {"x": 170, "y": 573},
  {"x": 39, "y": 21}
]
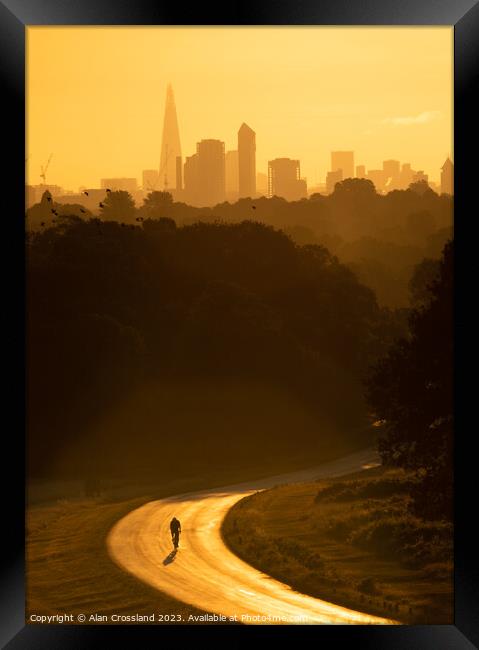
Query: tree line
[
  {"x": 112, "y": 308},
  {"x": 380, "y": 237}
]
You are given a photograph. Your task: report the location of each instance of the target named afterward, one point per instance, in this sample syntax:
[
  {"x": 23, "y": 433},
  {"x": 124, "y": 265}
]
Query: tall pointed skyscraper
[{"x": 170, "y": 144}]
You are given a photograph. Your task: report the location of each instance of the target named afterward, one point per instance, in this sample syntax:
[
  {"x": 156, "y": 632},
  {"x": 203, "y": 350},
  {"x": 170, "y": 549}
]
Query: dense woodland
[
  {"x": 381, "y": 237},
  {"x": 411, "y": 390},
  {"x": 168, "y": 336}
]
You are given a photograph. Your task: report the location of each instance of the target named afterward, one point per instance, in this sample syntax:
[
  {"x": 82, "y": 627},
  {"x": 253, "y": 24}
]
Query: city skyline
[
  {"x": 154, "y": 179},
  {"x": 344, "y": 97},
  {"x": 213, "y": 175}
]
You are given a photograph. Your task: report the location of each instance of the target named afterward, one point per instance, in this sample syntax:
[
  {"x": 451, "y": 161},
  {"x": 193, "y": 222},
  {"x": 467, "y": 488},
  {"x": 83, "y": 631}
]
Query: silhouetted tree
[
  {"x": 73, "y": 210},
  {"x": 411, "y": 390},
  {"x": 41, "y": 213},
  {"x": 157, "y": 205},
  {"x": 355, "y": 187},
  {"x": 420, "y": 187},
  {"x": 118, "y": 206}
]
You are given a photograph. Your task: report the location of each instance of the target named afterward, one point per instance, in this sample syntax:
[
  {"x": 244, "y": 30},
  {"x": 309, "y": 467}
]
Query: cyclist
[{"x": 175, "y": 528}]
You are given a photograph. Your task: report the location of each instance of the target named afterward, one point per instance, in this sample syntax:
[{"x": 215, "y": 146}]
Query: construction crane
[{"x": 44, "y": 168}]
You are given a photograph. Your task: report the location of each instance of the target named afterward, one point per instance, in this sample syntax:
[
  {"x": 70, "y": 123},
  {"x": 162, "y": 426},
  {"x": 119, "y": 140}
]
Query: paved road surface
[{"x": 204, "y": 572}]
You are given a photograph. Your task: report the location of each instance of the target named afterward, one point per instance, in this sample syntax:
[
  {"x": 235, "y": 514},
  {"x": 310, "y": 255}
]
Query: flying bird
[{"x": 85, "y": 192}]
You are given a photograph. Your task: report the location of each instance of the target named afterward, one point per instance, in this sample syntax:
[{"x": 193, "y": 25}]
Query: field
[
  {"x": 68, "y": 568},
  {"x": 350, "y": 541}
]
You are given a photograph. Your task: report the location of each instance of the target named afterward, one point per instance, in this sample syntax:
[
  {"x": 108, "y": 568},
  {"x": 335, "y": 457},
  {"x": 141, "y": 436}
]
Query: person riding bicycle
[{"x": 175, "y": 528}]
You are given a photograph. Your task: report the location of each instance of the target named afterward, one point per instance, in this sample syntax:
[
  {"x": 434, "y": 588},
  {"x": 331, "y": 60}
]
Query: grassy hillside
[
  {"x": 350, "y": 541},
  {"x": 68, "y": 568}
]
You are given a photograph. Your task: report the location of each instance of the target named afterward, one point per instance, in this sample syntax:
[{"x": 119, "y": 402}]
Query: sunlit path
[{"x": 204, "y": 572}]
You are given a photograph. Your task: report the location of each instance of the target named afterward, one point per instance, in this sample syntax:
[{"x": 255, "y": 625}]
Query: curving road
[{"x": 204, "y": 572}]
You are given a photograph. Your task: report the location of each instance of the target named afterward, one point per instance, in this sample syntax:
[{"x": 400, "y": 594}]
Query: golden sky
[{"x": 96, "y": 96}]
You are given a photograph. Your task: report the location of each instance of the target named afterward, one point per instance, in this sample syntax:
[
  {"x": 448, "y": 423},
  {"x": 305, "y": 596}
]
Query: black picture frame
[{"x": 15, "y": 15}]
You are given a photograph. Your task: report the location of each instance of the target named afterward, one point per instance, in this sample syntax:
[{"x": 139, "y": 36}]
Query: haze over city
[{"x": 97, "y": 96}]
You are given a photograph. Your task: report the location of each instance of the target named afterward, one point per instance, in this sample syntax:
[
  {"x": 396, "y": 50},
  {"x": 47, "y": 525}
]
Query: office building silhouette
[
  {"x": 247, "y": 161},
  {"x": 420, "y": 176},
  {"x": 190, "y": 179},
  {"x": 284, "y": 179},
  {"x": 392, "y": 171},
  {"x": 343, "y": 160},
  {"x": 361, "y": 171},
  {"x": 179, "y": 175},
  {"x": 406, "y": 176},
  {"x": 332, "y": 178},
  {"x": 211, "y": 172},
  {"x": 447, "y": 177},
  {"x": 378, "y": 178}
]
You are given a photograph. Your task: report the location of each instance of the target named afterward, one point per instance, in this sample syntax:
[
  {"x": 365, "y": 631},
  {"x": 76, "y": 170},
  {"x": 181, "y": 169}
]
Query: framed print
[{"x": 235, "y": 298}]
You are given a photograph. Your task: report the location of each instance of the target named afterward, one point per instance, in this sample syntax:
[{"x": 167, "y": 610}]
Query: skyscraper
[
  {"x": 378, "y": 178},
  {"x": 447, "y": 177},
  {"x": 392, "y": 172},
  {"x": 179, "y": 174},
  {"x": 190, "y": 179},
  {"x": 343, "y": 160},
  {"x": 284, "y": 179},
  {"x": 420, "y": 176},
  {"x": 231, "y": 174},
  {"x": 211, "y": 172},
  {"x": 247, "y": 161},
  {"x": 406, "y": 176},
  {"x": 170, "y": 144},
  {"x": 332, "y": 178}
]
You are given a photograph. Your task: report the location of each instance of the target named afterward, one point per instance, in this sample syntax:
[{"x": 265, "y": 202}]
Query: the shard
[{"x": 170, "y": 145}]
